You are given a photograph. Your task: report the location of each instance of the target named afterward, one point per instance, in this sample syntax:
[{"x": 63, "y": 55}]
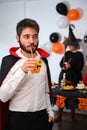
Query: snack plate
[
  {"x": 68, "y": 88},
  {"x": 83, "y": 90}
]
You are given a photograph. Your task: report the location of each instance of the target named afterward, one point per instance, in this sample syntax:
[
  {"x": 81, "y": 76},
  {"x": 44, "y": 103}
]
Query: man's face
[{"x": 28, "y": 40}]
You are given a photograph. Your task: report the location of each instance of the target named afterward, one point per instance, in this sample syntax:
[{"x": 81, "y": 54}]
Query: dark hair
[{"x": 26, "y": 23}]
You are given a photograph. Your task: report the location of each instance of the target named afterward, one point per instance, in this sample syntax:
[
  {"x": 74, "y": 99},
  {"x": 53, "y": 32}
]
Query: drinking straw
[{"x": 31, "y": 52}]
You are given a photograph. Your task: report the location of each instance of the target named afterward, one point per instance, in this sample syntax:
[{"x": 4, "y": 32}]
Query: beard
[{"x": 34, "y": 47}]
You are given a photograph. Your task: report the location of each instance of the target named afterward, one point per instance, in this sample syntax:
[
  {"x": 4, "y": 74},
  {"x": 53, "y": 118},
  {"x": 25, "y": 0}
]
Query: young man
[{"x": 26, "y": 91}]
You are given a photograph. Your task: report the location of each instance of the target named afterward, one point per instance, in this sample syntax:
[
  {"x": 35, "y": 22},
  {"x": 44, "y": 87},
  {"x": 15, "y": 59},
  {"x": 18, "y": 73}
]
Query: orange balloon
[
  {"x": 73, "y": 14},
  {"x": 81, "y": 13},
  {"x": 58, "y": 48}
]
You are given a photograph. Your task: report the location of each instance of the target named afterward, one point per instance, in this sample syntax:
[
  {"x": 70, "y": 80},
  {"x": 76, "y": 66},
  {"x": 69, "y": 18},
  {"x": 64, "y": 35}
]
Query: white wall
[
  {"x": 11, "y": 11},
  {"x": 9, "y": 16}
]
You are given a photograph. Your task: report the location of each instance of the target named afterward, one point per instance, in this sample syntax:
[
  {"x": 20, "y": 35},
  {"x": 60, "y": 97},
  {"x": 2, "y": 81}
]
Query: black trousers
[{"x": 28, "y": 121}]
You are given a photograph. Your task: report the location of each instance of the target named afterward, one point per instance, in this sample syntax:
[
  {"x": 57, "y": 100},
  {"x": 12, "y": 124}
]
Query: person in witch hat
[
  {"x": 73, "y": 59},
  {"x": 71, "y": 65}
]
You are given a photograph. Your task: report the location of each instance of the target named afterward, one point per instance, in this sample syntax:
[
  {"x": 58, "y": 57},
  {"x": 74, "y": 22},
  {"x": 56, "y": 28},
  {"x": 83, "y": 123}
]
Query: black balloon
[
  {"x": 62, "y": 9},
  {"x": 85, "y": 38},
  {"x": 54, "y": 37}
]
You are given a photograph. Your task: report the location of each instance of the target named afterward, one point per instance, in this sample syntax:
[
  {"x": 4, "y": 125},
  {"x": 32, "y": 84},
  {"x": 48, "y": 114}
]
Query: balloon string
[
  {"x": 64, "y": 56},
  {"x": 69, "y": 60}
]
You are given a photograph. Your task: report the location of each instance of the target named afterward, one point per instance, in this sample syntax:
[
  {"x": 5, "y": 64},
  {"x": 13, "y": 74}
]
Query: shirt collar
[{"x": 24, "y": 57}]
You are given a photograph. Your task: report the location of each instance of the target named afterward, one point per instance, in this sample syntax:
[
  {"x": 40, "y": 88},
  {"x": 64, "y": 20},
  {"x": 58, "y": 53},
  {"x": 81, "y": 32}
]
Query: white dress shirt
[{"x": 26, "y": 92}]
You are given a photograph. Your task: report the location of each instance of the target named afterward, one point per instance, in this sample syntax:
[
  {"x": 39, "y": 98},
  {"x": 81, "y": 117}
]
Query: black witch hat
[{"x": 72, "y": 39}]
